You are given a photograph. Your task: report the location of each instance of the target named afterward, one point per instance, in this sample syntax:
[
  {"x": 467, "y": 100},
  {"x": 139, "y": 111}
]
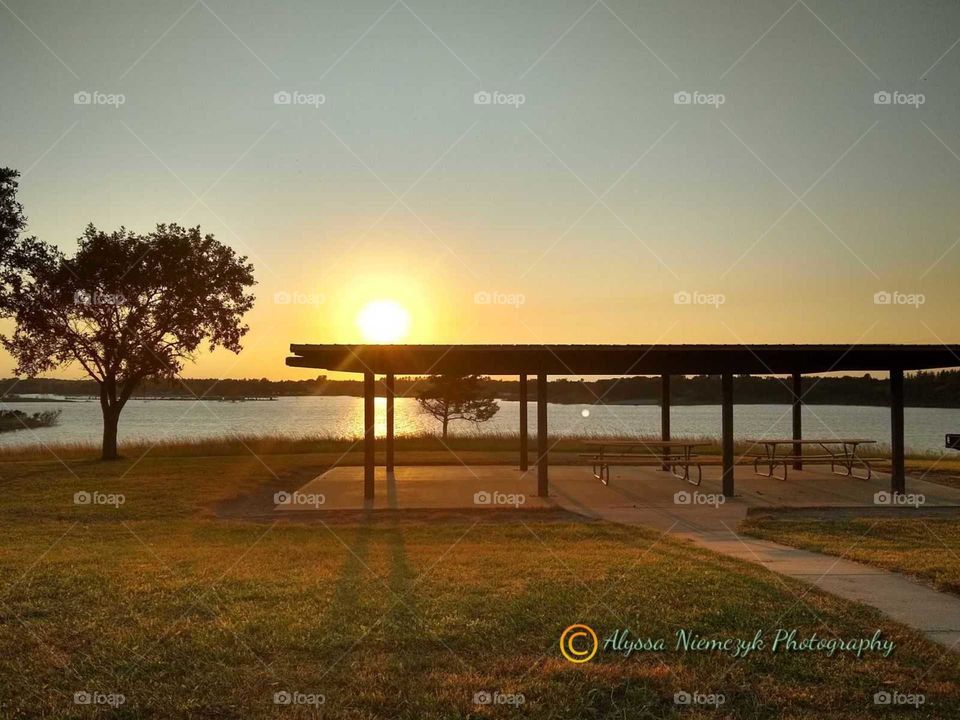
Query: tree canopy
[
  {"x": 457, "y": 397},
  {"x": 12, "y": 220}
]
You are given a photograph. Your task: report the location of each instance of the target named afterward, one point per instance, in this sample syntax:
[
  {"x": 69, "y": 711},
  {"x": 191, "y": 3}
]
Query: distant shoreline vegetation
[
  {"x": 12, "y": 420},
  {"x": 923, "y": 389}
]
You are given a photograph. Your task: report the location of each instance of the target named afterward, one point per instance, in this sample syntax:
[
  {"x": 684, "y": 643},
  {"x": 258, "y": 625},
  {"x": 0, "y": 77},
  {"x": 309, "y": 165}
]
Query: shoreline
[{"x": 639, "y": 402}]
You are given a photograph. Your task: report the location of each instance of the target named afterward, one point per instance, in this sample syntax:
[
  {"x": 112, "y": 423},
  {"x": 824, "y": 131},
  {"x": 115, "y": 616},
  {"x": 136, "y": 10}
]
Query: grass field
[
  {"x": 926, "y": 548},
  {"x": 188, "y": 611}
]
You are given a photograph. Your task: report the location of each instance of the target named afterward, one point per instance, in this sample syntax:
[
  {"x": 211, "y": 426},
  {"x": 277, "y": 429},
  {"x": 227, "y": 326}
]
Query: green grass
[
  {"x": 190, "y": 615},
  {"x": 926, "y": 548}
]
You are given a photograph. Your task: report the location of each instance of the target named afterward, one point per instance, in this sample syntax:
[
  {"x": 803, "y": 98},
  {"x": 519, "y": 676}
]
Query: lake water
[{"x": 153, "y": 420}]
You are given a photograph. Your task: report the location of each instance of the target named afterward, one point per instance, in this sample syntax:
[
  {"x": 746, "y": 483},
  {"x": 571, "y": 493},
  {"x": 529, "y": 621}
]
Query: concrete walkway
[
  {"x": 935, "y": 614},
  {"x": 649, "y": 497}
]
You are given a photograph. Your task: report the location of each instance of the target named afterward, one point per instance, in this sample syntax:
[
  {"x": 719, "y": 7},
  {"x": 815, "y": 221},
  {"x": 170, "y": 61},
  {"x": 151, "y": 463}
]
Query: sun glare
[{"x": 383, "y": 321}]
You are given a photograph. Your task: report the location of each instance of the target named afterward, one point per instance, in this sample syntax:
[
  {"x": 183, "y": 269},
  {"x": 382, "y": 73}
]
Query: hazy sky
[{"x": 587, "y": 213}]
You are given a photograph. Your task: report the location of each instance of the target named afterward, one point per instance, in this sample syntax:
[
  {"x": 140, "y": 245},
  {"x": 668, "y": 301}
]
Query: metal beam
[
  {"x": 543, "y": 460},
  {"x": 726, "y": 419},
  {"x": 369, "y": 437},
  {"x": 524, "y": 460},
  {"x": 665, "y": 414},
  {"x": 390, "y": 389},
  {"x": 797, "y": 391},
  {"x": 621, "y": 359},
  {"x": 898, "y": 475}
]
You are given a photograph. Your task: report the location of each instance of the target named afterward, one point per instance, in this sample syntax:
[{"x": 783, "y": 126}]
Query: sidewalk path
[{"x": 935, "y": 614}]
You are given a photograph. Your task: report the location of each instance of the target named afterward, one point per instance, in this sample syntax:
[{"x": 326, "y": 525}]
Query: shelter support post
[
  {"x": 524, "y": 461},
  {"x": 898, "y": 475},
  {"x": 543, "y": 484},
  {"x": 726, "y": 421},
  {"x": 797, "y": 392},
  {"x": 391, "y": 394},
  {"x": 369, "y": 438},
  {"x": 665, "y": 415}
]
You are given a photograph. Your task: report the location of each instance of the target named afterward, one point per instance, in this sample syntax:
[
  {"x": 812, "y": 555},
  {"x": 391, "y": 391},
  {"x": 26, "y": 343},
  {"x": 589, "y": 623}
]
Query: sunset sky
[{"x": 586, "y": 203}]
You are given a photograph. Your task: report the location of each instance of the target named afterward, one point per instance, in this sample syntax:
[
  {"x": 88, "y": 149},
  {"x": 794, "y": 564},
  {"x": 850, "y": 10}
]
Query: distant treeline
[{"x": 924, "y": 389}]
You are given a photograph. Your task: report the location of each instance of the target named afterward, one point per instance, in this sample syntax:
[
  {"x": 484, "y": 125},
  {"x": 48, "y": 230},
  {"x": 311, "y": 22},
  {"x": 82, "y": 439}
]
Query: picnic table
[
  {"x": 668, "y": 454},
  {"x": 838, "y": 452}
]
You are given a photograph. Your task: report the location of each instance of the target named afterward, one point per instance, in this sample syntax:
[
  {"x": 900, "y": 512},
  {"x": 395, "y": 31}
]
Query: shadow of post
[
  {"x": 404, "y": 617},
  {"x": 377, "y": 617},
  {"x": 405, "y": 626},
  {"x": 343, "y": 619}
]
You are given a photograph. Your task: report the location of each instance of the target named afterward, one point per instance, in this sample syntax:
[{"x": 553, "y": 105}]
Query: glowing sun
[{"x": 383, "y": 321}]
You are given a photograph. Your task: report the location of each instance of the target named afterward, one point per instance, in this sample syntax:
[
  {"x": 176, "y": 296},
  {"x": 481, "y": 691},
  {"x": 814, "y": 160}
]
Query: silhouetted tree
[
  {"x": 125, "y": 307},
  {"x": 457, "y": 397},
  {"x": 12, "y": 221}
]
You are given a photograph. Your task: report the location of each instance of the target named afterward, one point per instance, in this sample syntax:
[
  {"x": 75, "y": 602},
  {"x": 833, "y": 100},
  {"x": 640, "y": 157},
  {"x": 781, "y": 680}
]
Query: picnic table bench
[
  {"x": 666, "y": 454},
  {"x": 836, "y": 452}
]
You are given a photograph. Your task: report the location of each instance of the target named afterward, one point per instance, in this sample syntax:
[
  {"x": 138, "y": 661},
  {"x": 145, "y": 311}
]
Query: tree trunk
[
  {"x": 446, "y": 421},
  {"x": 111, "y": 417}
]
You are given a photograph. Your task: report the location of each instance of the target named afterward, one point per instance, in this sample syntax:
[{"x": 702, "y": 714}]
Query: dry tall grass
[{"x": 423, "y": 442}]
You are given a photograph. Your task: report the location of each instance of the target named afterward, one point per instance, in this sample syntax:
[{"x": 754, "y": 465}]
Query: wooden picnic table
[
  {"x": 644, "y": 452},
  {"x": 842, "y": 452}
]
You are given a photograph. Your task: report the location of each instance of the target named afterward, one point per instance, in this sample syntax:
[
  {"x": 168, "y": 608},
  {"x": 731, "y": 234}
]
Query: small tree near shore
[
  {"x": 457, "y": 397},
  {"x": 125, "y": 307}
]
